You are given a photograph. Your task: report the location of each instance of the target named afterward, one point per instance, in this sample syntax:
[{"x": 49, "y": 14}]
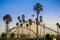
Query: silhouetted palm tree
[
  {"x": 19, "y": 19},
  {"x": 37, "y": 8},
  {"x": 23, "y": 18},
  {"x": 17, "y": 24},
  {"x": 7, "y": 18},
  {"x": 12, "y": 36},
  {"x": 27, "y": 25},
  {"x": 30, "y": 23}
]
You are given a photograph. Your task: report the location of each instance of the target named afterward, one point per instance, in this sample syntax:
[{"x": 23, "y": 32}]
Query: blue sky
[{"x": 50, "y": 13}]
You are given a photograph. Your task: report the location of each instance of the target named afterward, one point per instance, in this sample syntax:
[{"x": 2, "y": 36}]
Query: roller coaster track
[
  {"x": 22, "y": 27},
  {"x": 32, "y": 30}
]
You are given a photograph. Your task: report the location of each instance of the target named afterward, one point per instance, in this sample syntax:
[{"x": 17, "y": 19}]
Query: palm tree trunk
[
  {"x": 44, "y": 32},
  {"x": 22, "y": 32},
  {"x": 7, "y": 31},
  {"x": 29, "y": 31},
  {"x": 40, "y": 31},
  {"x": 57, "y": 31},
  {"x": 6, "y": 28},
  {"x": 37, "y": 26},
  {"x": 18, "y": 32}
]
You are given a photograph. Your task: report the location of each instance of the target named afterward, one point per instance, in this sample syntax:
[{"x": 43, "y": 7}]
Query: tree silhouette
[
  {"x": 27, "y": 25},
  {"x": 3, "y": 35},
  {"x": 30, "y": 21},
  {"x": 23, "y": 18},
  {"x": 17, "y": 24},
  {"x": 41, "y": 19},
  {"x": 48, "y": 37},
  {"x": 12, "y": 36},
  {"x": 7, "y": 18},
  {"x": 19, "y": 19},
  {"x": 37, "y": 8}
]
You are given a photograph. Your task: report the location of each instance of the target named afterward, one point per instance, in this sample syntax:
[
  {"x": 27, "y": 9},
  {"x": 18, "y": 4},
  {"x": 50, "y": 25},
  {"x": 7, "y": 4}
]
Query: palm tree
[
  {"x": 19, "y": 19},
  {"x": 27, "y": 25},
  {"x": 38, "y": 8},
  {"x": 17, "y": 24},
  {"x": 23, "y": 18},
  {"x": 7, "y": 18},
  {"x": 30, "y": 23},
  {"x": 12, "y": 36}
]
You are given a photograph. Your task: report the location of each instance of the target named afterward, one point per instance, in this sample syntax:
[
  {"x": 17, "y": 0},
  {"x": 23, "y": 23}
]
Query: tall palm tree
[
  {"x": 38, "y": 8},
  {"x": 30, "y": 23},
  {"x": 7, "y": 18}
]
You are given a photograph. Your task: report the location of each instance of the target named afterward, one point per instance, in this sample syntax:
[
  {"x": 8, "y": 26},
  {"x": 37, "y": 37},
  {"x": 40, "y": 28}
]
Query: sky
[{"x": 50, "y": 13}]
